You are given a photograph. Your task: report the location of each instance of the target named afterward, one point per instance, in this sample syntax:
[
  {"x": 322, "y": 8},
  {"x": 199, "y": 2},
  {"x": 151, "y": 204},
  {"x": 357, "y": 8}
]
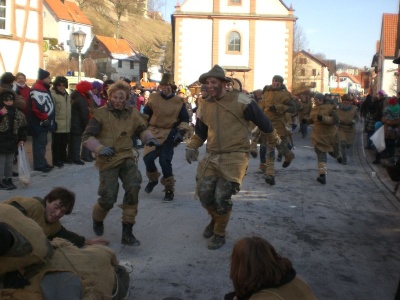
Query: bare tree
[
  {"x": 86, "y": 3},
  {"x": 299, "y": 43},
  {"x": 155, "y": 6}
]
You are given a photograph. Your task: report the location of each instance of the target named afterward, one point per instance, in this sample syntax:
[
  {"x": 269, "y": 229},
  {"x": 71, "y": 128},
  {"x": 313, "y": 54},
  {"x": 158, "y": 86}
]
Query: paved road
[{"x": 343, "y": 238}]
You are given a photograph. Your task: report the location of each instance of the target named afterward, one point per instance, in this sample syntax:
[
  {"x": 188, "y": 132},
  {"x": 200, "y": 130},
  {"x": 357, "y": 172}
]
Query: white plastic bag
[
  {"x": 378, "y": 138},
  {"x": 24, "y": 170}
]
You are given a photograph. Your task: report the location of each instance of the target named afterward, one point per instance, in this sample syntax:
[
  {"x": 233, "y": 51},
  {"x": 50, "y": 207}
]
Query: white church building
[{"x": 251, "y": 39}]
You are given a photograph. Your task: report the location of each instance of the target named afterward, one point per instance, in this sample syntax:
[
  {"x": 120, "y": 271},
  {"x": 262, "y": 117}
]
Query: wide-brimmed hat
[
  {"x": 167, "y": 79},
  {"x": 216, "y": 72}
]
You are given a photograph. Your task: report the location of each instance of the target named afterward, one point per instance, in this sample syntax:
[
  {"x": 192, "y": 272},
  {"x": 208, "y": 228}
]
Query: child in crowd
[{"x": 12, "y": 135}]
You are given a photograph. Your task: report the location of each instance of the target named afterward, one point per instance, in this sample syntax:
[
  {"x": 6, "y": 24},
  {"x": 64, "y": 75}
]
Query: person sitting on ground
[
  {"x": 31, "y": 267},
  {"x": 47, "y": 213},
  {"x": 258, "y": 272}
]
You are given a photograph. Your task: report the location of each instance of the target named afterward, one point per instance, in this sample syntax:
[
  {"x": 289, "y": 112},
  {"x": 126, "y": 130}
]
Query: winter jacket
[
  {"x": 42, "y": 109},
  {"x": 63, "y": 111},
  {"x": 12, "y": 129}
]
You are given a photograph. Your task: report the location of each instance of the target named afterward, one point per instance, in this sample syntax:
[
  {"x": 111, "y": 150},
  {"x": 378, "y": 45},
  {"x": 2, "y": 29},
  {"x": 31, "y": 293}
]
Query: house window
[
  {"x": 5, "y": 18},
  {"x": 235, "y": 2},
  {"x": 119, "y": 64},
  {"x": 314, "y": 72},
  {"x": 131, "y": 65},
  {"x": 303, "y": 72},
  {"x": 95, "y": 47},
  {"x": 313, "y": 84},
  {"x": 303, "y": 84},
  {"x": 302, "y": 61},
  {"x": 234, "y": 42}
]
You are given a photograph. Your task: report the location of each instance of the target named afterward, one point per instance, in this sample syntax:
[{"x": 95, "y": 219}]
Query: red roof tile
[
  {"x": 352, "y": 77},
  {"x": 68, "y": 11},
  {"x": 116, "y": 46},
  {"x": 389, "y": 34},
  {"x": 76, "y": 13}
]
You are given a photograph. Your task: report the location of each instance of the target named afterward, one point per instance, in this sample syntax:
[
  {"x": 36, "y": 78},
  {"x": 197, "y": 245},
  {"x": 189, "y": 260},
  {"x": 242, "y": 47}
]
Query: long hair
[{"x": 256, "y": 265}]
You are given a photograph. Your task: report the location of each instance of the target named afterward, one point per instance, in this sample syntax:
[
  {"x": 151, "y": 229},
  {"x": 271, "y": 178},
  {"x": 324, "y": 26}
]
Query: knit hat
[
  {"x": 97, "y": 85},
  {"x": 43, "y": 74},
  {"x": 392, "y": 101},
  {"x": 382, "y": 93},
  {"x": 319, "y": 96},
  {"x": 216, "y": 72},
  {"x": 6, "y": 238},
  {"x": 83, "y": 86},
  {"x": 278, "y": 78},
  {"x": 7, "y": 78},
  {"x": 7, "y": 95}
]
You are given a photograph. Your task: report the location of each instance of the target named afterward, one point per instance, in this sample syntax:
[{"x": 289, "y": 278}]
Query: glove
[
  {"x": 15, "y": 280},
  {"x": 153, "y": 142},
  {"x": 107, "y": 151},
  {"x": 319, "y": 118},
  {"x": 304, "y": 121},
  {"x": 178, "y": 138},
  {"x": 191, "y": 155},
  {"x": 46, "y": 123},
  {"x": 272, "y": 108}
]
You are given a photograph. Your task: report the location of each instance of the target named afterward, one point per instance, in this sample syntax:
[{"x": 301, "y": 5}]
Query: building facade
[
  {"x": 251, "y": 39},
  {"x": 60, "y": 20},
  {"x": 116, "y": 58},
  {"x": 21, "y": 37}
]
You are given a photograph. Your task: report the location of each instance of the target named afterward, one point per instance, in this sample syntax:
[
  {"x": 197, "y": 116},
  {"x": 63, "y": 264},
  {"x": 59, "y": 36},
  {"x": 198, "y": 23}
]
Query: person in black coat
[{"x": 81, "y": 105}]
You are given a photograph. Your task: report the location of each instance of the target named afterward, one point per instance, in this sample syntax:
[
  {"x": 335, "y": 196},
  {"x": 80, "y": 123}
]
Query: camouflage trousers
[
  {"x": 131, "y": 179},
  {"x": 215, "y": 193}
]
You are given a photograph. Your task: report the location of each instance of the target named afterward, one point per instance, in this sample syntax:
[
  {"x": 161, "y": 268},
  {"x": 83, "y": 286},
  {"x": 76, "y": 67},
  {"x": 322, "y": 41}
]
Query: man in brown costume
[
  {"x": 33, "y": 268},
  {"x": 276, "y": 102},
  {"x": 348, "y": 117},
  {"x": 223, "y": 121},
  {"x": 168, "y": 122},
  {"x": 109, "y": 134},
  {"x": 324, "y": 136}
]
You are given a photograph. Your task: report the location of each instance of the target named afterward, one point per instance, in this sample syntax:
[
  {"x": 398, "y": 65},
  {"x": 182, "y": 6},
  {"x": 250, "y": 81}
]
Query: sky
[{"x": 345, "y": 30}]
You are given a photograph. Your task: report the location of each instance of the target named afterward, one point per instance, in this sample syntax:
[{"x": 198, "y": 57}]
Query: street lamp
[{"x": 79, "y": 41}]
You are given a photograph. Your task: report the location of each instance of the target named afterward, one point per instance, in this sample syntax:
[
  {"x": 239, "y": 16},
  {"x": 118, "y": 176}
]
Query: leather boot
[
  {"x": 218, "y": 239},
  {"x": 127, "y": 237},
  {"x": 322, "y": 179},
  {"x": 153, "y": 181},
  {"x": 270, "y": 179},
  {"x": 98, "y": 227},
  {"x": 169, "y": 184},
  {"x": 3, "y": 185},
  {"x": 11, "y": 184},
  {"x": 209, "y": 230},
  {"x": 169, "y": 196},
  {"x": 98, "y": 216}
]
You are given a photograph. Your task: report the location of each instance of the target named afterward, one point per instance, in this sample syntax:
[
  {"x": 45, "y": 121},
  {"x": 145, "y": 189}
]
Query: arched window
[{"x": 234, "y": 42}]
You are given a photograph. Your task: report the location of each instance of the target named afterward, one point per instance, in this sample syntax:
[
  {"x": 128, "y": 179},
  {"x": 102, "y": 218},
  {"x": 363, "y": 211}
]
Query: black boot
[
  {"x": 209, "y": 230},
  {"x": 98, "y": 227},
  {"x": 127, "y": 237},
  {"x": 270, "y": 179},
  {"x": 11, "y": 184},
  {"x": 4, "y": 186},
  {"x": 150, "y": 186},
  {"x": 169, "y": 196},
  {"x": 322, "y": 179}
]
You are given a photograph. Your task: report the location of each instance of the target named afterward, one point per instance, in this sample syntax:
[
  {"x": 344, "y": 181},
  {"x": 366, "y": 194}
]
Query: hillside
[{"x": 145, "y": 35}]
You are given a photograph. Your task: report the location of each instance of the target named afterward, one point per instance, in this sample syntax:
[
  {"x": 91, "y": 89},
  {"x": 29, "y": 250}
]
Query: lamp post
[{"x": 79, "y": 41}]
